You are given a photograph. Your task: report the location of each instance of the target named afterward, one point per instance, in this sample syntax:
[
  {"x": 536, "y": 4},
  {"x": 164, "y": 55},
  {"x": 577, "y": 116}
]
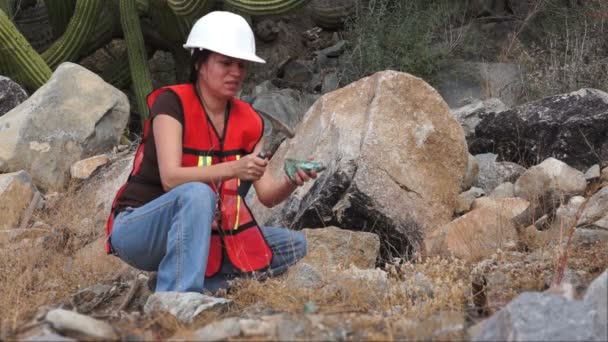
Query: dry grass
[
  {"x": 47, "y": 270},
  {"x": 51, "y": 270},
  {"x": 342, "y": 294}
]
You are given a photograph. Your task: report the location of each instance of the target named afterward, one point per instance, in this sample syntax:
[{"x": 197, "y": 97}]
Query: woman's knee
[{"x": 196, "y": 193}]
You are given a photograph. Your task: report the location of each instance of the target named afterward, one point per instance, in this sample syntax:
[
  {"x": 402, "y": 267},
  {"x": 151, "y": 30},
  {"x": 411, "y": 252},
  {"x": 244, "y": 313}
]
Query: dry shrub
[{"x": 341, "y": 293}]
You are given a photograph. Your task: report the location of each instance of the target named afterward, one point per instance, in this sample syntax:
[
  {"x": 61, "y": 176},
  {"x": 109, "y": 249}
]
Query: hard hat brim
[{"x": 240, "y": 55}]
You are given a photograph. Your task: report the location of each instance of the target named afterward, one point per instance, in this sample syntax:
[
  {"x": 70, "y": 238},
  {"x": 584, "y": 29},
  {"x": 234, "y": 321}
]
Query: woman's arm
[
  {"x": 168, "y": 139},
  {"x": 271, "y": 191}
]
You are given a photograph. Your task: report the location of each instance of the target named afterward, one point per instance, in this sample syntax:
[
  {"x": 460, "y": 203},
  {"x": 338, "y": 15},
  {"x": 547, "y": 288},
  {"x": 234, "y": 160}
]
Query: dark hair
[{"x": 198, "y": 57}]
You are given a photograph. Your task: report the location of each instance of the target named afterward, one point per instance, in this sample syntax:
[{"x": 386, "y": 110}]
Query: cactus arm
[
  {"x": 190, "y": 8},
  {"x": 7, "y": 7},
  {"x": 171, "y": 27},
  {"x": 140, "y": 75},
  {"x": 265, "y": 7},
  {"x": 117, "y": 73},
  {"x": 60, "y": 12},
  {"x": 82, "y": 24},
  {"x": 18, "y": 57},
  {"x": 108, "y": 27}
]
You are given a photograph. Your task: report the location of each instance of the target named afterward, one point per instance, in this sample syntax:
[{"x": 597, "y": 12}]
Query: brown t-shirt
[{"x": 146, "y": 185}]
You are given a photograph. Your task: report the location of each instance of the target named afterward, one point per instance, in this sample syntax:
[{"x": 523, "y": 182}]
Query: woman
[{"x": 179, "y": 214}]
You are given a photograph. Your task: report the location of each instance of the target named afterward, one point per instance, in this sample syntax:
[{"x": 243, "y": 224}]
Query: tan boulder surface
[{"x": 395, "y": 161}]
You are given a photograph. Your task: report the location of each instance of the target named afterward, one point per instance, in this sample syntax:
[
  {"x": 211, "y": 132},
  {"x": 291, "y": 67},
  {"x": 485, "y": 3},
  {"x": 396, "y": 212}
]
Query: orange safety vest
[{"x": 235, "y": 232}]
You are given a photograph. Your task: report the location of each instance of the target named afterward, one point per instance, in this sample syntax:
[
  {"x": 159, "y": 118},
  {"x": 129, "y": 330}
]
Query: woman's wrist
[{"x": 289, "y": 184}]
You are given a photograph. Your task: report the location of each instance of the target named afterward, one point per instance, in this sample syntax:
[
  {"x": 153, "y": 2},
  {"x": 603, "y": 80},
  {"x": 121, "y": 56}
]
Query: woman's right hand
[{"x": 250, "y": 168}]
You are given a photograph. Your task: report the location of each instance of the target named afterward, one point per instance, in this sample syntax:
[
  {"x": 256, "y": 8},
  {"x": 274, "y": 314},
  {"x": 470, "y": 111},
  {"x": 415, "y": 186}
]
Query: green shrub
[
  {"x": 413, "y": 36},
  {"x": 565, "y": 49}
]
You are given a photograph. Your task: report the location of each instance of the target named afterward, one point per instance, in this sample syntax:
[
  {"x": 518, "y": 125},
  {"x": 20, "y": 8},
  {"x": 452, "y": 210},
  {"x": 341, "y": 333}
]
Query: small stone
[
  {"x": 84, "y": 169},
  {"x": 335, "y": 50},
  {"x": 219, "y": 330},
  {"x": 604, "y": 174},
  {"x": 254, "y": 327},
  {"x": 310, "y": 308},
  {"x": 185, "y": 306},
  {"x": 80, "y": 326},
  {"x": 504, "y": 190},
  {"x": 597, "y": 297},
  {"x": 593, "y": 173}
]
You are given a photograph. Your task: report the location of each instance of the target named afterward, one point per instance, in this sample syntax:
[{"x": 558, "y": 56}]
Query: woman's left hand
[{"x": 301, "y": 176}]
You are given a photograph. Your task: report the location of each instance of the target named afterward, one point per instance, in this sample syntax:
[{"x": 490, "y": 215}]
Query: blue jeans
[{"x": 171, "y": 235}]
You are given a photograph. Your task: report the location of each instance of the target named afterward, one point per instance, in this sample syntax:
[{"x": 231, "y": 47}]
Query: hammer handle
[{"x": 246, "y": 185}]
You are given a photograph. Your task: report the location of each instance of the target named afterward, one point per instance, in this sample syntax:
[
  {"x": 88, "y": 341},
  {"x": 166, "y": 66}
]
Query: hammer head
[{"x": 277, "y": 124}]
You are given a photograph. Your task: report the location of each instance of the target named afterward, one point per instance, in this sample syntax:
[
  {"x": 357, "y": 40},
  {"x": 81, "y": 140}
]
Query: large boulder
[
  {"x": 11, "y": 95},
  {"x": 395, "y": 161},
  {"x": 479, "y": 233},
  {"x": 570, "y": 127},
  {"x": 73, "y": 116},
  {"x": 342, "y": 248},
  {"x": 546, "y": 186},
  {"x": 542, "y": 317}
]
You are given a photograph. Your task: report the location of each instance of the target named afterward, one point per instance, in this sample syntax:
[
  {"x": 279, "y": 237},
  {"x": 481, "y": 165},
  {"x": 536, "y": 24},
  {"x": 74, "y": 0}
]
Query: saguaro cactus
[
  {"x": 190, "y": 8},
  {"x": 330, "y": 14},
  {"x": 60, "y": 12},
  {"x": 140, "y": 75},
  {"x": 265, "y": 7},
  {"x": 67, "y": 48},
  {"x": 18, "y": 58}
]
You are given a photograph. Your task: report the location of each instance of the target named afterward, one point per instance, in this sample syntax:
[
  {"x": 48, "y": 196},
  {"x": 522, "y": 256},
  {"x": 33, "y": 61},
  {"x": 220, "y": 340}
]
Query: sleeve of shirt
[{"x": 168, "y": 103}]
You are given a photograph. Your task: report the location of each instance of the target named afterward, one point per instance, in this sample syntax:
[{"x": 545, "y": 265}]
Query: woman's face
[{"x": 222, "y": 75}]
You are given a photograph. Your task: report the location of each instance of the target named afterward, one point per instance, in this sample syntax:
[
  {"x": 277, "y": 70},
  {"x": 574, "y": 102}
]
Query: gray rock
[
  {"x": 596, "y": 208},
  {"x": 80, "y": 326},
  {"x": 219, "y": 330},
  {"x": 493, "y": 173},
  {"x": 570, "y": 127},
  {"x": 504, "y": 190},
  {"x": 11, "y": 95},
  {"x": 590, "y": 236},
  {"x": 593, "y": 173},
  {"x": 597, "y": 297},
  {"x": 73, "y": 116},
  {"x": 604, "y": 175},
  {"x": 267, "y": 30},
  {"x": 471, "y": 174},
  {"x": 335, "y": 50},
  {"x": 465, "y": 200},
  {"x": 185, "y": 306},
  {"x": 541, "y": 317},
  {"x": 601, "y": 223},
  {"x": 470, "y": 115},
  {"x": 285, "y": 106},
  {"x": 330, "y": 82}
]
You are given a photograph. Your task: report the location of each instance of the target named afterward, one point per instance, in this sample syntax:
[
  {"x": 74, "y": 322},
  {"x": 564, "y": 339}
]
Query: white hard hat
[{"x": 226, "y": 33}]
